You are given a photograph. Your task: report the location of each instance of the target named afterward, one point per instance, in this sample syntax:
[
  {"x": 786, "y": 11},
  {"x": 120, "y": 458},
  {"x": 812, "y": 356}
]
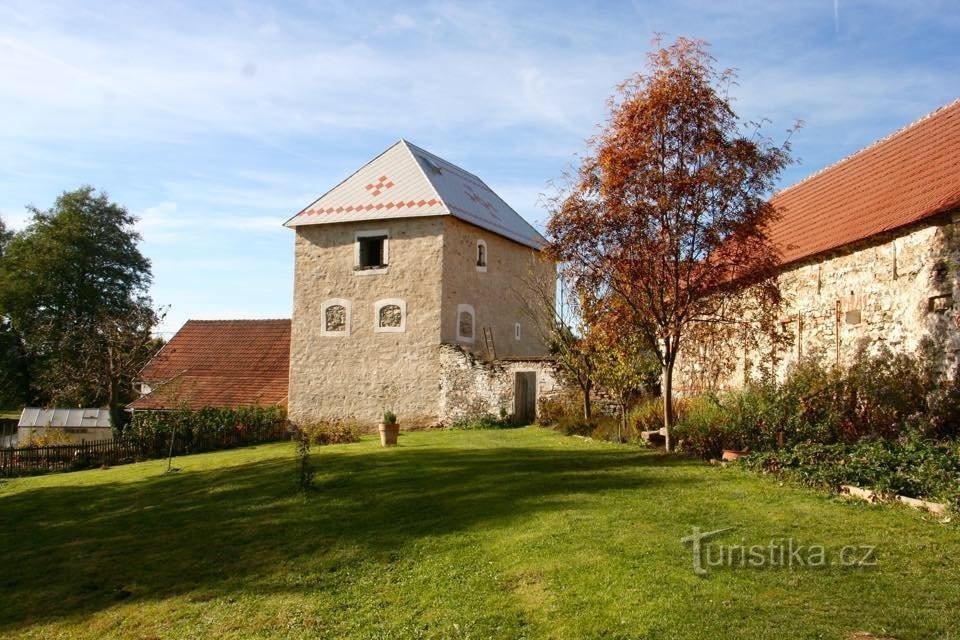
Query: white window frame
[
  {"x": 486, "y": 256},
  {"x": 348, "y": 307},
  {"x": 517, "y": 331},
  {"x": 356, "y": 251},
  {"x": 473, "y": 323},
  {"x": 380, "y": 304}
]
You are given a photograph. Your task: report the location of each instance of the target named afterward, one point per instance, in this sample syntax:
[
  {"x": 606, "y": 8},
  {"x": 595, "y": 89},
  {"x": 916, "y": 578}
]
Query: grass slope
[{"x": 484, "y": 534}]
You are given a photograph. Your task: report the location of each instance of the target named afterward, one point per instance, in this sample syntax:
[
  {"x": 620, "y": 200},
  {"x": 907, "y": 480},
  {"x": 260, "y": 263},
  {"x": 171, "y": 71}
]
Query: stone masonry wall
[
  {"x": 470, "y": 386},
  {"x": 361, "y": 374},
  {"x": 894, "y": 290},
  {"x": 493, "y": 293}
]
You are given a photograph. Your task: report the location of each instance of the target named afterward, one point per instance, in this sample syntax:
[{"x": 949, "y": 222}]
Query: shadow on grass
[{"x": 72, "y": 551}]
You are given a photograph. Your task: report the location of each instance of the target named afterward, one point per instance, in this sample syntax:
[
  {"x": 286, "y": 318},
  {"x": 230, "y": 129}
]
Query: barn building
[
  {"x": 218, "y": 363},
  {"x": 870, "y": 249},
  {"x": 407, "y": 284}
]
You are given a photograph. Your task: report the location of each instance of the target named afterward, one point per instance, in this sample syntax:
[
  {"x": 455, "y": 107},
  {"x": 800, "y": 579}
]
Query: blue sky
[{"x": 216, "y": 122}]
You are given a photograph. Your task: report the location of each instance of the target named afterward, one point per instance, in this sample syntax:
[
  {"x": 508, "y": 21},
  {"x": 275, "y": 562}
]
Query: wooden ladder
[{"x": 488, "y": 341}]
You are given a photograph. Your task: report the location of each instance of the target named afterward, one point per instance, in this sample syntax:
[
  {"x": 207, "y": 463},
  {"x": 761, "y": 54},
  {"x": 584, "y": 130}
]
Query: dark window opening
[
  {"x": 481, "y": 255},
  {"x": 371, "y": 252}
]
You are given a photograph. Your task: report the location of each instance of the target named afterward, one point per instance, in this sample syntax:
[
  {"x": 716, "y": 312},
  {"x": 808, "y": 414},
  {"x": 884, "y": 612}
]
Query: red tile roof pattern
[
  {"x": 409, "y": 204},
  {"x": 383, "y": 183},
  {"x": 220, "y": 363},
  {"x": 904, "y": 178}
]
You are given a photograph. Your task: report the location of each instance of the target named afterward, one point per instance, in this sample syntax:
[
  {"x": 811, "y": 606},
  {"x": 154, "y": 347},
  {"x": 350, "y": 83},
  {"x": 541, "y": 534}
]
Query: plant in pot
[{"x": 389, "y": 429}]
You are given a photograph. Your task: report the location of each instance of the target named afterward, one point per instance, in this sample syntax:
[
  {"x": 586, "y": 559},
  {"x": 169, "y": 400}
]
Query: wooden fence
[{"x": 84, "y": 455}]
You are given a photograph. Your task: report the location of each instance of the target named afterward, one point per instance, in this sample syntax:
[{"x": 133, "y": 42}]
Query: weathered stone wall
[
  {"x": 470, "y": 386},
  {"x": 362, "y": 373},
  {"x": 494, "y": 293},
  {"x": 894, "y": 290}
]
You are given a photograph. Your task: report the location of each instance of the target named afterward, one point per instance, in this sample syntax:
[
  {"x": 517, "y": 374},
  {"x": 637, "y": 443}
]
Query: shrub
[
  {"x": 647, "y": 415},
  {"x": 304, "y": 466},
  {"x": 484, "y": 421},
  {"x": 607, "y": 427},
  {"x": 331, "y": 432},
  {"x": 389, "y": 417},
  {"x": 942, "y": 418},
  {"x": 48, "y": 436},
  {"x": 206, "y": 425},
  {"x": 911, "y": 465},
  {"x": 884, "y": 423},
  {"x": 574, "y": 425},
  {"x": 552, "y": 409},
  {"x": 703, "y": 427}
]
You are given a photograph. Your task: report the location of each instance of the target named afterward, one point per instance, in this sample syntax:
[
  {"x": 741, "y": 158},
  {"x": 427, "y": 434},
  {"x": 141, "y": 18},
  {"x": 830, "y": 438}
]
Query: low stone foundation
[{"x": 470, "y": 386}]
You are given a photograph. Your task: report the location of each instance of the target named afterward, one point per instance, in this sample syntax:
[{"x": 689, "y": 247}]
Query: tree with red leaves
[{"x": 668, "y": 211}]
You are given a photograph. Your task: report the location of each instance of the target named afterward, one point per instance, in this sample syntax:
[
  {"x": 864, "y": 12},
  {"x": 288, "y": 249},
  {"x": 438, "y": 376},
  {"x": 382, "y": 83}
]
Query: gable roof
[
  {"x": 906, "y": 177},
  {"x": 406, "y": 181},
  {"x": 219, "y": 363},
  {"x": 86, "y": 418}
]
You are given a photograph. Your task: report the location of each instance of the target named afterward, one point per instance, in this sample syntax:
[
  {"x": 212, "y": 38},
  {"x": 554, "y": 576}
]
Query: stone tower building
[{"x": 407, "y": 272}]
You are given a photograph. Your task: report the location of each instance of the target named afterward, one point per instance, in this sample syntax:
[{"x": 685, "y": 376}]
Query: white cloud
[
  {"x": 166, "y": 223},
  {"x": 15, "y": 221},
  {"x": 234, "y": 116}
]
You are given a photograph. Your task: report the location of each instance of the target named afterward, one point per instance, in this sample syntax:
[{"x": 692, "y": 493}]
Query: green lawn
[{"x": 483, "y": 534}]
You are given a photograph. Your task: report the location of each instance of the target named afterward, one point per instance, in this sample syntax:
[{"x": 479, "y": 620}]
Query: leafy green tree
[
  {"x": 73, "y": 288},
  {"x": 5, "y": 236},
  {"x": 13, "y": 377}
]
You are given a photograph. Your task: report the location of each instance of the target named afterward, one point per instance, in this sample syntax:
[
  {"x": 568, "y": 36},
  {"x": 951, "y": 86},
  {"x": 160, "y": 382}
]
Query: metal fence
[{"x": 84, "y": 455}]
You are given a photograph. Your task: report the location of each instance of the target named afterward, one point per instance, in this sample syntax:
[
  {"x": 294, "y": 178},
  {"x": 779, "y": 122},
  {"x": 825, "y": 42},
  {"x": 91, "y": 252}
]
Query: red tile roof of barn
[
  {"x": 220, "y": 363},
  {"x": 906, "y": 177}
]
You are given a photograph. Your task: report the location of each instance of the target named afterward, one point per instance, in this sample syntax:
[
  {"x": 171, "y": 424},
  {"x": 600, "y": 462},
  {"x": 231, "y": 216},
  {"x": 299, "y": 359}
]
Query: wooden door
[{"x": 525, "y": 397}]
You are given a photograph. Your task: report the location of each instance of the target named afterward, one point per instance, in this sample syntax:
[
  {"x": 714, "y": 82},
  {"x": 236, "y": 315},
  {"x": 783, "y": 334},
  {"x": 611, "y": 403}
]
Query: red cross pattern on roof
[{"x": 382, "y": 184}]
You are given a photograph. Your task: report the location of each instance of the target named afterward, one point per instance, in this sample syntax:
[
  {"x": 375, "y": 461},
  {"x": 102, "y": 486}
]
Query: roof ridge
[
  {"x": 443, "y": 160},
  {"x": 872, "y": 145},
  {"x": 409, "y": 147},
  {"x": 479, "y": 180}
]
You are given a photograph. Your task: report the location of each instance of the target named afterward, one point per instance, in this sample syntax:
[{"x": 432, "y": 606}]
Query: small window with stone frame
[{"x": 371, "y": 252}]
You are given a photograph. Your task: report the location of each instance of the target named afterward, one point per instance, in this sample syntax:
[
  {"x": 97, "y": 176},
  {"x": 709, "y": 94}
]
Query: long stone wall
[
  {"x": 470, "y": 386},
  {"x": 895, "y": 290}
]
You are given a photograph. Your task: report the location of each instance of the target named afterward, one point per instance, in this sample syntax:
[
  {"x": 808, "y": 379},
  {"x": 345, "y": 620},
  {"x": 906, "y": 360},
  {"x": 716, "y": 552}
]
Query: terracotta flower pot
[
  {"x": 733, "y": 454},
  {"x": 388, "y": 434}
]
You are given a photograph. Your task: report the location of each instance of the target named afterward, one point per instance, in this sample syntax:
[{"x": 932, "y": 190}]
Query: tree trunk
[
  {"x": 667, "y": 393},
  {"x": 623, "y": 420},
  {"x": 587, "y": 409}
]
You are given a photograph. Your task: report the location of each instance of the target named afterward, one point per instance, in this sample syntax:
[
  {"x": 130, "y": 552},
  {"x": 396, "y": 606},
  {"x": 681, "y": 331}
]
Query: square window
[{"x": 371, "y": 252}]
